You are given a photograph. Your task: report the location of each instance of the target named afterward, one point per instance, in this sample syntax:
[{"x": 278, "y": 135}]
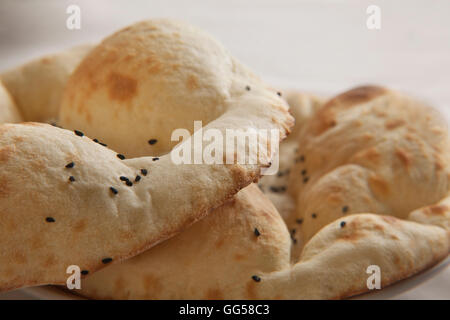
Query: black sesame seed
[
  {"x": 345, "y": 209},
  {"x": 294, "y": 240},
  {"x": 257, "y": 233},
  {"x": 342, "y": 224},
  {"x": 314, "y": 215},
  {"x": 78, "y": 133},
  {"x": 129, "y": 183},
  {"x": 95, "y": 140},
  {"x": 107, "y": 260},
  {"x": 256, "y": 278},
  {"x": 305, "y": 180},
  {"x": 70, "y": 165},
  {"x": 152, "y": 141},
  {"x": 293, "y": 231},
  {"x": 71, "y": 179},
  {"x": 247, "y": 88},
  {"x": 49, "y": 219},
  {"x": 273, "y": 189},
  {"x": 123, "y": 178},
  {"x": 304, "y": 172},
  {"x": 102, "y": 144},
  {"x": 84, "y": 272},
  {"x": 137, "y": 179},
  {"x": 144, "y": 172},
  {"x": 113, "y": 190},
  {"x": 299, "y": 221},
  {"x": 279, "y": 93},
  {"x": 120, "y": 156},
  {"x": 154, "y": 159}
]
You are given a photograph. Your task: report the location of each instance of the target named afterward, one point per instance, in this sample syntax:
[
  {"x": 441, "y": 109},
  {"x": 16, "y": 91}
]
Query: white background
[{"x": 320, "y": 46}]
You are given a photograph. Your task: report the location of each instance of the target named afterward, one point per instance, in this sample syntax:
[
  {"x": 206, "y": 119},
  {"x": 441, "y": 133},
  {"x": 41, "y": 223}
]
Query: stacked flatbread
[
  {"x": 243, "y": 250},
  {"x": 363, "y": 179}
]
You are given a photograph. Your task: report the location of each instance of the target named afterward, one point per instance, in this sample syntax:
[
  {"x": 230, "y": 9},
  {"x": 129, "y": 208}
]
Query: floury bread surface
[{"x": 62, "y": 198}]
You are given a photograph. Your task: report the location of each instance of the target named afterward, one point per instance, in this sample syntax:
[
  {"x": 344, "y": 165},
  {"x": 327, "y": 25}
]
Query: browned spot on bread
[
  {"x": 326, "y": 117},
  {"x": 121, "y": 88},
  {"x": 79, "y": 226},
  {"x": 378, "y": 185},
  {"x": 335, "y": 198},
  {"x": 49, "y": 261},
  {"x": 119, "y": 284},
  {"x": 192, "y": 82},
  {"x": 394, "y": 123},
  {"x": 352, "y": 235},
  {"x": 251, "y": 290},
  {"x": 38, "y": 165},
  {"x": 239, "y": 257},
  {"x": 393, "y": 237},
  {"x": 439, "y": 209},
  {"x": 357, "y": 95},
  {"x": 4, "y": 187},
  {"x": 403, "y": 156},
  {"x": 220, "y": 242},
  {"x": 19, "y": 258},
  {"x": 151, "y": 283},
  {"x": 378, "y": 227},
  {"x": 126, "y": 235},
  {"x": 389, "y": 219},
  {"x": 37, "y": 242},
  {"x": 6, "y": 152},
  {"x": 370, "y": 154},
  {"x": 214, "y": 294},
  {"x": 18, "y": 139}
]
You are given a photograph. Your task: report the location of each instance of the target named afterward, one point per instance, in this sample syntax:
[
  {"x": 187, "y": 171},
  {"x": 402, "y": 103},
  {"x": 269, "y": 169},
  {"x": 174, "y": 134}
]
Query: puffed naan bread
[
  {"x": 217, "y": 257},
  {"x": 37, "y": 86},
  {"x": 369, "y": 149},
  {"x": 50, "y": 222},
  {"x": 153, "y": 77},
  {"x": 334, "y": 263},
  {"x": 207, "y": 261},
  {"x": 221, "y": 257},
  {"x": 8, "y": 109}
]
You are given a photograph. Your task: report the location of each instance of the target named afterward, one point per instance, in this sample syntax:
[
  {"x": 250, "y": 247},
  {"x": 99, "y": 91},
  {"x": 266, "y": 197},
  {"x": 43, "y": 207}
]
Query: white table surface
[{"x": 320, "y": 46}]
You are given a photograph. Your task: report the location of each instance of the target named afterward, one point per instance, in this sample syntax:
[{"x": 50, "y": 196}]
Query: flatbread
[
  {"x": 221, "y": 258},
  {"x": 51, "y": 221},
  {"x": 143, "y": 82},
  {"x": 334, "y": 263},
  {"x": 37, "y": 86},
  {"x": 210, "y": 260},
  {"x": 369, "y": 149},
  {"x": 8, "y": 110},
  {"x": 237, "y": 253}
]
